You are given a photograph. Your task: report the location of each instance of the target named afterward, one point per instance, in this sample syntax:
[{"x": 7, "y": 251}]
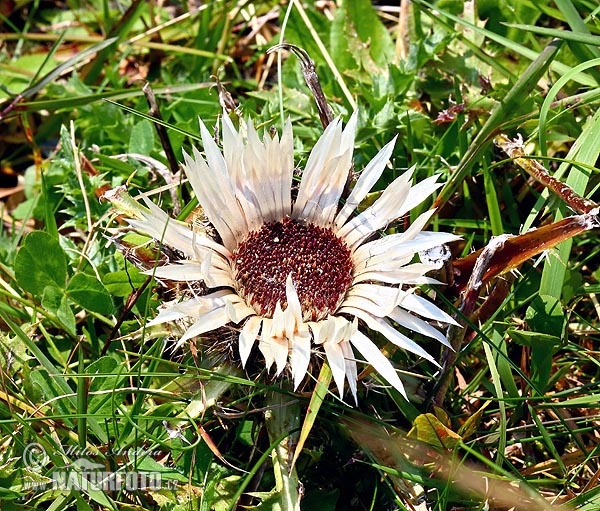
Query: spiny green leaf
[{"x": 370, "y": 47}]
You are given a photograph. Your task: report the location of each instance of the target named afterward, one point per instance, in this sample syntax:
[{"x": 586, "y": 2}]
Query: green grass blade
[
  {"x": 114, "y": 95},
  {"x": 585, "y": 38},
  {"x": 586, "y": 149},
  {"x": 68, "y": 64},
  {"x": 547, "y": 439},
  {"x": 82, "y": 399},
  {"x": 582, "y": 52},
  {"x": 316, "y": 400},
  {"x": 117, "y": 33},
  {"x": 493, "y": 205},
  {"x": 504, "y": 42},
  {"x": 500, "y": 114},
  {"x": 253, "y": 471},
  {"x": 42, "y": 359},
  {"x": 501, "y": 405},
  {"x": 553, "y": 92}
]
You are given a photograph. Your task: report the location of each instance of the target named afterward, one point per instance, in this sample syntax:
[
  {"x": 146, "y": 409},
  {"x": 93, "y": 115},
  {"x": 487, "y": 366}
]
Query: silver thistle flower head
[{"x": 297, "y": 275}]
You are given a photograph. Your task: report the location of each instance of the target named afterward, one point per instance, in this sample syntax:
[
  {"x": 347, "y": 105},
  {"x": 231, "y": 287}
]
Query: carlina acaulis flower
[{"x": 297, "y": 275}]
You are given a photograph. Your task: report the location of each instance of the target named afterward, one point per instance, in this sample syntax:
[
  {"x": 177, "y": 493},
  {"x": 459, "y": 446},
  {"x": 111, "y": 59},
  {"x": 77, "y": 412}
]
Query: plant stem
[{"x": 283, "y": 416}]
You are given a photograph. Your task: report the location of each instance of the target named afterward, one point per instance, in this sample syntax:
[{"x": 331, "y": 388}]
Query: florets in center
[{"x": 318, "y": 261}]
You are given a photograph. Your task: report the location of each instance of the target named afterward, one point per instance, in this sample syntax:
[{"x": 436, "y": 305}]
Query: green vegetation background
[{"x": 79, "y": 373}]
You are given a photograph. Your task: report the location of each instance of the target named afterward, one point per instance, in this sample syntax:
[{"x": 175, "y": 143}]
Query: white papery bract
[{"x": 295, "y": 273}]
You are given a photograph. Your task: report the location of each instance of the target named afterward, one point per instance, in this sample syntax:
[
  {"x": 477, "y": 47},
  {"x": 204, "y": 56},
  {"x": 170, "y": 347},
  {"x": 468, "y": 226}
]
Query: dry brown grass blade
[
  {"x": 503, "y": 254},
  {"x": 311, "y": 78},
  {"x": 518, "y": 249},
  {"x": 394, "y": 449},
  {"x": 165, "y": 142},
  {"x": 514, "y": 148}
]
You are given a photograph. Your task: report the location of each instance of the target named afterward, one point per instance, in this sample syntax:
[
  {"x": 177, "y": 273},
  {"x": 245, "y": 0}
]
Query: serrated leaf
[
  {"x": 55, "y": 301},
  {"x": 88, "y": 292},
  {"x": 518, "y": 249},
  {"x": 358, "y": 35},
  {"x": 39, "y": 263}
]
